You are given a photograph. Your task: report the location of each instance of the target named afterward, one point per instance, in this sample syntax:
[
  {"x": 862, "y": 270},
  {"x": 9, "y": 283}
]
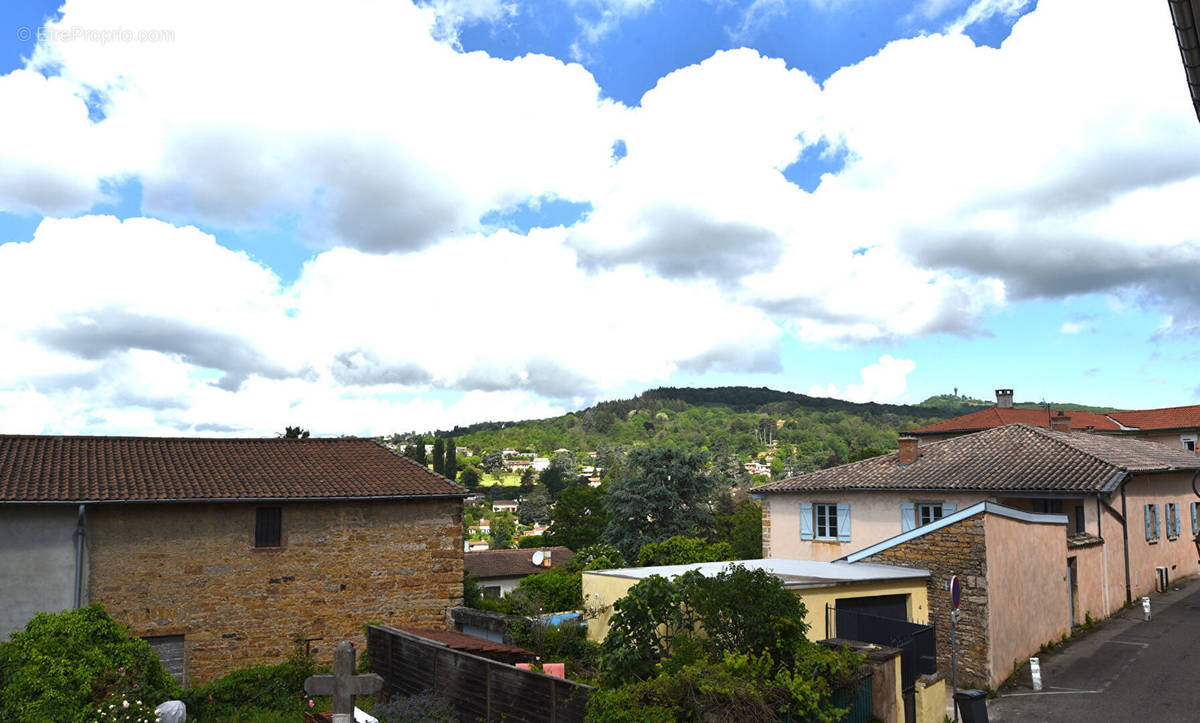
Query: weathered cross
[{"x": 343, "y": 685}]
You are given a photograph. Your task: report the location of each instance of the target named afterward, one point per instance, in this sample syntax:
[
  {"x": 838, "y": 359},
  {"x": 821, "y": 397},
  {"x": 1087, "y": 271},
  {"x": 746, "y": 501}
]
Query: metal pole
[{"x": 953, "y": 667}]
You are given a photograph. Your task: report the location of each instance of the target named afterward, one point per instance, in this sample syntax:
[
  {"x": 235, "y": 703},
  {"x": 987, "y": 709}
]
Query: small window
[
  {"x": 1080, "y": 520},
  {"x": 268, "y": 527},
  {"x": 826, "y": 519},
  {"x": 491, "y": 592},
  {"x": 1151, "y": 513},
  {"x": 1049, "y": 507},
  {"x": 1189, "y": 442},
  {"x": 927, "y": 513}
]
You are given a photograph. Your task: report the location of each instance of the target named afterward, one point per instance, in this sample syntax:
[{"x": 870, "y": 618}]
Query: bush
[
  {"x": 681, "y": 550},
  {"x": 63, "y": 664},
  {"x": 262, "y": 688},
  {"x": 416, "y": 709}
]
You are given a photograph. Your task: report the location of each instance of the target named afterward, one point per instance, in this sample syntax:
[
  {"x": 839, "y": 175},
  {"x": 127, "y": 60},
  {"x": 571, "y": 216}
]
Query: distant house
[
  {"x": 221, "y": 551},
  {"x": 758, "y": 468},
  {"x": 1177, "y": 427},
  {"x": 1044, "y": 526},
  {"x": 505, "y": 506},
  {"x": 541, "y": 464},
  {"x": 500, "y": 571}
]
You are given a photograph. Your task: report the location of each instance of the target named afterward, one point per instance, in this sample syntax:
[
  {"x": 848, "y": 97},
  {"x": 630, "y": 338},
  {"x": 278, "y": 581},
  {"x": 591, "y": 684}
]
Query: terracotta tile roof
[
  {"x": 466, "y": 643},
  {"x": 511, "y": 563},
  {"x": 1011, "y": 458},
  {"x": 84, "y": 469},
  {"x": 1166, "y": 418},
  {"x": 998, "y": 417}
]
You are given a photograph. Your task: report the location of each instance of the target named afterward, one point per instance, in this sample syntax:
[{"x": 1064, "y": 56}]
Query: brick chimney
[
  {"x": 1060, "y": 423},
  {"x": 1004, "y": 398},
  {"x": 908, "y": 450}
]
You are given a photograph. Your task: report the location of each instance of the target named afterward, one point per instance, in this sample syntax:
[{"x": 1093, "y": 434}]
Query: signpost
[{"x": 955, "y": 597}]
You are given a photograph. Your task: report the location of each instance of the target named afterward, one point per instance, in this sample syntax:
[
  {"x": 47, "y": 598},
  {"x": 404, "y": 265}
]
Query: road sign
[{"x": 955, "y": 592}]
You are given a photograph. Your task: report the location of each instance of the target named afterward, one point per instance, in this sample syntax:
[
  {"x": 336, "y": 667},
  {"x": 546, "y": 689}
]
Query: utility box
[{"x": 972, "y": 705}]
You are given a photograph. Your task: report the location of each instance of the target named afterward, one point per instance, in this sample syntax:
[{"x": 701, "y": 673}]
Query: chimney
[
  {"x": 1060, "y": 423},
  {"x": 546, "y": 558},
  {"x": 1004, "y": 398},
  {"x": 908, "y": 450}
]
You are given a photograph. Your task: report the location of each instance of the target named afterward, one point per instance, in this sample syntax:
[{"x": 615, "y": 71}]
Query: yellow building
[{"x": 822, "y": 586}]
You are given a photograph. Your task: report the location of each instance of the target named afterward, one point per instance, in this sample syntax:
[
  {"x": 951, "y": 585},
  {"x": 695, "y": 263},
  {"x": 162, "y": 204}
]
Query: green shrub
[
  {"x": 63, "y": 664},
  {"x": 254, "y": 691}
]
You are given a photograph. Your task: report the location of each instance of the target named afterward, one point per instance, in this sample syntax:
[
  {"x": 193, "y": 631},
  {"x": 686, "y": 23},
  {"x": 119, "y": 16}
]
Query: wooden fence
[{"x": 479, "y": 689}]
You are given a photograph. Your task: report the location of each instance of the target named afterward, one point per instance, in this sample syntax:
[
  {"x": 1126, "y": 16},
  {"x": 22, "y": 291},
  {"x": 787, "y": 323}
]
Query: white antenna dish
[{"x": 538, "y": 557}]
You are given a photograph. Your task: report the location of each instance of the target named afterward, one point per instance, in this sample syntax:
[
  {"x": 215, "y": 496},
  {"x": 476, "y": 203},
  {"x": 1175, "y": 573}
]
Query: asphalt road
[{"x": 1125, "y": 669}]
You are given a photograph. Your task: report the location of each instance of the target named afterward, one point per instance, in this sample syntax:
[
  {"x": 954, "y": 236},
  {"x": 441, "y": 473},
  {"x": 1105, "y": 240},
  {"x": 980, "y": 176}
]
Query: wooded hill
[{"x": 800, "y": 432}]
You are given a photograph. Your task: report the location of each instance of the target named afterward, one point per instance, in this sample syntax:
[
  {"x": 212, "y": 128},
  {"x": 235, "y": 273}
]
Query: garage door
[
  {"x": 169, "y": 649},
  {"x": 884, "y": 606}
]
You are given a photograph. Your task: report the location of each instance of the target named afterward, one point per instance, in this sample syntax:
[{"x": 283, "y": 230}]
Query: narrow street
[{"x": 1125, "y": 669}]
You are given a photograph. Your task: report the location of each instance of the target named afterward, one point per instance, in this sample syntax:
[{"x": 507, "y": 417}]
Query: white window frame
[
  {"x": 828, "y": 510},
  {"x": 930, "y": 508},
  {"x": 1185, "y": 440}
]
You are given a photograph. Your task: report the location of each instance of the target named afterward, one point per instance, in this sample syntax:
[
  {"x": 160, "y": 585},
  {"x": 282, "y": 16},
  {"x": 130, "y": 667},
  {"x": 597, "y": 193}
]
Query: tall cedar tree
[
  {"x": 439, "y": 455},
  {"x": 663, "y": 493},
  {"x": 416, "y": 450},
  {"x": 450, "y": 464},
  {"x": 578, "y": 518}
]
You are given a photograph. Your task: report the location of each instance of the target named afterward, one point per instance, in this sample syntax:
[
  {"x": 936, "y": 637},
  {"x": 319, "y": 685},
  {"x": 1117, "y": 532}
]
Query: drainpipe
[
  {"x": 79, "y": 558},
  {"x": 1125, "y": 537}
]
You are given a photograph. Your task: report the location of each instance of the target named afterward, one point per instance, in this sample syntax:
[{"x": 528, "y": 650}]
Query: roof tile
[{"x": 511, "y": 563}]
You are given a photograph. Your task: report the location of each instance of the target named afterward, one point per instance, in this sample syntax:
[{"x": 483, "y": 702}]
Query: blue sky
[{"x": 484, "y": 209}]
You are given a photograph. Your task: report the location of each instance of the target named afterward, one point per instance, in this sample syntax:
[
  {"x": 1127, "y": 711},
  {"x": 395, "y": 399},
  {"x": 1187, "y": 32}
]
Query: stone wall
[
  {"x": 193, "y": 570},
  {"x": 957, "y": 549},
  {"x": 766, "y": 527}
]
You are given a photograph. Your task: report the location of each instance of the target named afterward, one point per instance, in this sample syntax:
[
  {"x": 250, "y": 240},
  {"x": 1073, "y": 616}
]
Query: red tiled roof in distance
[
  {"x": 511, "y": 563},
  {"x": 997, "y": 417},
  {"x": 1166, "y": 418},
  {"x": 160, "y": 469},
  {"x": 1011, "y": 458}
]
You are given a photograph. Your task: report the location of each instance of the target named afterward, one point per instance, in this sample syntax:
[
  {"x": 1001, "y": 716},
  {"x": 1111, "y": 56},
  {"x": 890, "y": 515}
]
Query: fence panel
[
  {"x": 856, "y": 695},
  {"x": 477, "y": 688}
]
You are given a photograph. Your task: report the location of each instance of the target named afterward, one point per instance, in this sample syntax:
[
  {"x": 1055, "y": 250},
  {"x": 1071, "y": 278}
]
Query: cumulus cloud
[{"x": 883, "y": 381}]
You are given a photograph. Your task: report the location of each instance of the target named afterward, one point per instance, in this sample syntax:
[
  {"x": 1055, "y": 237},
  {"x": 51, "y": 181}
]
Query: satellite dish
[{"x": 537, "y": 558}]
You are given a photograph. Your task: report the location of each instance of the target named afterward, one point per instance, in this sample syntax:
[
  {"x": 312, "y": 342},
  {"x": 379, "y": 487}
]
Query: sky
[{"x": 364, "y": 217}]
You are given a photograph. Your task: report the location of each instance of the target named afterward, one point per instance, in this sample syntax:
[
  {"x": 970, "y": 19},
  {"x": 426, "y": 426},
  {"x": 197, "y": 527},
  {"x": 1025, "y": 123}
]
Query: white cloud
[
  {"x": 883, "y": 381},
  {"x": 1076, "y": 326},
  {"x": 982, "y": 10},
  {"x": 598, "y": 18}
]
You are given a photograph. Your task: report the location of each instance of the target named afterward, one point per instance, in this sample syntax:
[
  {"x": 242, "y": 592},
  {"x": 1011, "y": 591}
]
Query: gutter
[
  {"x": 217, "y": 500},
  {"x": 1125, "y": 539},
  {"x": 79, "y": 533},
  {"x": 1186, "y": 16}
]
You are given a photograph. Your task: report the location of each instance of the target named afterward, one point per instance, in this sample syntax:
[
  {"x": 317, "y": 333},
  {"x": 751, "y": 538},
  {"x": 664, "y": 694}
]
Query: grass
[{"x": 506, "y": 480}]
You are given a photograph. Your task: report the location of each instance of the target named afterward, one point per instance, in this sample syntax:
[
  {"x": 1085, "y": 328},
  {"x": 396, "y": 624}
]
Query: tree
[
  {"x": 693, "y": 616},
  {"x": 558, "y": 475},
  {"x": 416, "y": 450},
  {"x": 62, "y": 665},
  {"x": 739, "y": 523},
  {"x": 680, "y": 550},
  {"x": 535, "y": 508},
  {"x": 528, "y": 479},
  {"x": 579, "y": 517},
  {"x": 439, "y": 455},
  {"x": 295, "y": 433},
  {"x": 664, "y": 493},
  {"x": 470, "y": 478},
  {"x": 450, "y": 463},
  {"x": 504, "y": 529},
  {"x": 492, "y": 463}
]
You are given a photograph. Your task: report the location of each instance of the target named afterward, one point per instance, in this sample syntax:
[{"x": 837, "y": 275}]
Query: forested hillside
[{"x": 802, "y": 432}]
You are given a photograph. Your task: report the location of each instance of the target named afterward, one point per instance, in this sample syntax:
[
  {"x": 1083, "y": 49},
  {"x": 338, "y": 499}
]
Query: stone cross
[{"x": 343, "y": 685}]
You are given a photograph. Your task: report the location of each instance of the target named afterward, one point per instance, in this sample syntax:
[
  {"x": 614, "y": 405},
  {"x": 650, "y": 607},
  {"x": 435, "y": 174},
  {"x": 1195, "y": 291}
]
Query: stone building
[{"x": 221, "y": 552}]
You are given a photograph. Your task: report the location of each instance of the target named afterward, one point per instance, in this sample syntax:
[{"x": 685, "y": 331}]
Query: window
[
  {"x": 1080, "y": 520},
  {"x": 825, "y": 521},
  {"x": 1151, "y": 513},
  {"x": 1048, "y": 507},
  {"x": 491, "y": 592},
  {"x": 170, "y": 652},
  {"x": 927, "y": 513},
  {"x": 1189, "y": 442},
  {"x": 1172, "y": 515},
  {"x": 268, "y": 527},
  {"x": 915, "y": 514}
]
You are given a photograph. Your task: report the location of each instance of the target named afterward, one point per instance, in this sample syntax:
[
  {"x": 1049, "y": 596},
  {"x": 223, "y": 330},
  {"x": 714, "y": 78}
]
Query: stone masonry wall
[
  {"x": 957, "y": 549},
  {"x": 193, "y": 570},
  {"x": 766, "y": 527}
]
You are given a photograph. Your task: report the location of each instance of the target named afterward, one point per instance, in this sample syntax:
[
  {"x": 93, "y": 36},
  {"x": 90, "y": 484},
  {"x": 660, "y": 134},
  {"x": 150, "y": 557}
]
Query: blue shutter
[
  {"x": 1195, "y": 521},
  {"x": 1175, "y": 513},
  {"x": 1154, "y": 509},
  {"x": 843, "y": 522},
  {"x": 948, "y": 508},
  {"x": 908, "y": 517},
  {"x": 1146, "y": 510},
  {"x": 806, "y": 521}
]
